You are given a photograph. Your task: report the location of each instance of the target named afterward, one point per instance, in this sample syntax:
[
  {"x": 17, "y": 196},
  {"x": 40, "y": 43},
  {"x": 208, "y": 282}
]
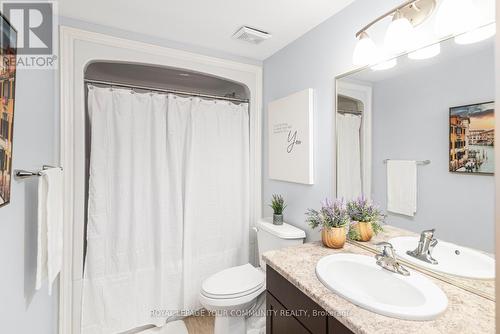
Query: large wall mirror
[{"x": 417, "y": 138}]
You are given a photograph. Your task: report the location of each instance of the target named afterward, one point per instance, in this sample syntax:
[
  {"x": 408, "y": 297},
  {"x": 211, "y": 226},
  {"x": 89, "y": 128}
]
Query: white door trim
[{"x": 77, "y": 49}]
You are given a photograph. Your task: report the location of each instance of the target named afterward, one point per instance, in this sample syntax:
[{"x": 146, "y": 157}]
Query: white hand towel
[
  {"x": 50, "y": 226},
  {"x": 402, "y": 187}
]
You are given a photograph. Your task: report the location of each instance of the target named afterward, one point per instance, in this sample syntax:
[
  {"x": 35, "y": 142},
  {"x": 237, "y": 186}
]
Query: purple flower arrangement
[
  {"x": 339, "y": 213},
  {"x": 331, "y": 214},
  {"x": 365, "y": 211}
]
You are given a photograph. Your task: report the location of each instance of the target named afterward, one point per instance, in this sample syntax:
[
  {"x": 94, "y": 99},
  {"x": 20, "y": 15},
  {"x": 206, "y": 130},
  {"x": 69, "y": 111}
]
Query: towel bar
[
  {"x": 419, "y": 162},
  {"x": 24, "y": 174}
]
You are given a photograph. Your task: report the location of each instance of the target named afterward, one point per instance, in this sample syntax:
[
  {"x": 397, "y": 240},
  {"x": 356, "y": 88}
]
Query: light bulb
[
  {"x": 477, "y": 35},
  {"x": 423, "y": 47},
  {"x": 456, "y": 16},
  {"x": 364, "y": 51},
  {"x": 426, "y": 52},
  {"x": 385, "y": 65},
  {"x": 400, "y": 35}
]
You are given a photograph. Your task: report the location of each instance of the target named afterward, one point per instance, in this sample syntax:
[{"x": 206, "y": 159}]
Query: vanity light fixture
[
  {"x": 477, "y": 35},
  {"x": 399, "y": 36},
  {"x": 423, "y": 47},
  {"x": 364, "y": 51},
  {"x": 385, "y": 65},
  {"x": 426, "y": 52},
  {"x": 457, "y": 16},
  {"x": 454, "y": 17}
]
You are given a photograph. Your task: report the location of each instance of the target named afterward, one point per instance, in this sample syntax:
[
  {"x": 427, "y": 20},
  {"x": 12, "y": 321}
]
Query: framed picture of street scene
[
  {"x": 472, "y": 138},
  {"x": 8, "y": 53}
]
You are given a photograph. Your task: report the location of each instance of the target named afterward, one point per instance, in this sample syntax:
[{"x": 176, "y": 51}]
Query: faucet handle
[
  {"x": 428, "y": 233},
  {"x": 384, "y": 244},
  {"x": 432, "y": 244},
  {"x": 386, "y": 248}
]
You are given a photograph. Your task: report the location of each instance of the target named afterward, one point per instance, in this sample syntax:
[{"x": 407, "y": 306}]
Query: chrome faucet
[
  {"x": 425, "y": 247},
  {"x": 387, "y": 259}
]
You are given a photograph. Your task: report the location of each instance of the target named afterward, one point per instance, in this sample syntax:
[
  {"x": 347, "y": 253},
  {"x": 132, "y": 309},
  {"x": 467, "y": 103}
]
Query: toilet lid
[{"x": 233, "y": 282}]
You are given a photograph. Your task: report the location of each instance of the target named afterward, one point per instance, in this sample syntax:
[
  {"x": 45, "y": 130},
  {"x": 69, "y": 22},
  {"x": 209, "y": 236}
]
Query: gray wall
[
  {"x": 410, "y": 121},
  {"x": 313, "y": 61},
  {"x": 22, "y": 310},
  {"x": 36, "y": 127}
]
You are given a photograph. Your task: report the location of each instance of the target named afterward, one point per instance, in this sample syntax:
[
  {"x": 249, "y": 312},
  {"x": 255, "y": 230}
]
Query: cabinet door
[
  {"x": 296, "y": 301},
  {"x": 278, "y": 322},
  {"x": 336, "y": 327}
]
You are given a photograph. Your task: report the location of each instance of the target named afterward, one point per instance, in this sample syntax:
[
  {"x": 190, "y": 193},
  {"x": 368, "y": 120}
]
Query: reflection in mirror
[
  {"x": 353, "y": 178},
  {"x": 418, "y": 139}
]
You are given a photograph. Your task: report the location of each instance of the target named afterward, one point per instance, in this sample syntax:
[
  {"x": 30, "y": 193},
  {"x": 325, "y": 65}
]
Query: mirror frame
[{"x": 442, "y": 277}]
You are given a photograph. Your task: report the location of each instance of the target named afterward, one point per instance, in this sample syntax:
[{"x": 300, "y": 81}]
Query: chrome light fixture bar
[
  {"x": 399, "y": 36},
  {"x": 459, "y": 18},
  {"x": 415, "y": 11}
]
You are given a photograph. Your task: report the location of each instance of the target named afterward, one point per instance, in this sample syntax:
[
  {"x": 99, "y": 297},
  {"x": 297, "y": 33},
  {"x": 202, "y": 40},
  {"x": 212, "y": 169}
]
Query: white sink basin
[
  {"x": 452, "y": 259},
  {"x": 359, "y": 280}
]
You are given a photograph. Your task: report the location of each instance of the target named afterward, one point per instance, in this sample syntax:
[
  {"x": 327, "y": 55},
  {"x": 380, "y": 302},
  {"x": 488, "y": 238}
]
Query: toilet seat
[
  {"x": 233, "y": 283},
  {"x": 232, "y": 296},
  {"x": 231, "y": 303}
]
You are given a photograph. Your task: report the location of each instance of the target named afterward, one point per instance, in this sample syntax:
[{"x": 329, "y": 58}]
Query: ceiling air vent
[{"x": 251, "y": 35}]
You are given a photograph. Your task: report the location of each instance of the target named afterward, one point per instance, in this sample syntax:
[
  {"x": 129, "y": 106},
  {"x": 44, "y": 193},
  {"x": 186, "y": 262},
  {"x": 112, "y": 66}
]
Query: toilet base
[{"x": 253, "y": 320}]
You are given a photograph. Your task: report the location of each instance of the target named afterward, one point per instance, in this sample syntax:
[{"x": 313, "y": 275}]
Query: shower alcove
[
  {"x": 161, "y": 79},
  {"x": 87, "y": 56}
]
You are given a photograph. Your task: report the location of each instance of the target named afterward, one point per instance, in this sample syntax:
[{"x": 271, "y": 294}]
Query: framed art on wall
[
  {"x": 7, "y": 96},
  {"x": 472, "y": 139},
  {"x": 290, "y": 126}
]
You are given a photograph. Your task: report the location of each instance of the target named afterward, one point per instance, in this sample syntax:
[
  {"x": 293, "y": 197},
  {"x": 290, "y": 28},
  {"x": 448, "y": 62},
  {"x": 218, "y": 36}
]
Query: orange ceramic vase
[
  {"x": 333, "y": 237},
  {"x": 364, "y": 230}
]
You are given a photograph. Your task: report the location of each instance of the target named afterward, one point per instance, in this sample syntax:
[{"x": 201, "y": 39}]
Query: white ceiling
[{"x": 209, "y": 23}]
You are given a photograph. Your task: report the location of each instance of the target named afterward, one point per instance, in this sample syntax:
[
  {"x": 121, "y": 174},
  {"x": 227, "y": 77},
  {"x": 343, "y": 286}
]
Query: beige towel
[
  {"x": 402, "y": 187},
  {"x": 50, "y": 227}
]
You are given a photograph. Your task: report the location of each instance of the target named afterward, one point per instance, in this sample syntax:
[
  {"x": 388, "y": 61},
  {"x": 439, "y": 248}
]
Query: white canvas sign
[{"x": 290, "y": 122}]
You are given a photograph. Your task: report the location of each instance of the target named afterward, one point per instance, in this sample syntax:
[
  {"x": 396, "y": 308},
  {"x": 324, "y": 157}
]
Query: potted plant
[
  {"x": 366, "y": 219},
  {"x": 333, "y": 219},
  {"x": 278, "y": 205}
]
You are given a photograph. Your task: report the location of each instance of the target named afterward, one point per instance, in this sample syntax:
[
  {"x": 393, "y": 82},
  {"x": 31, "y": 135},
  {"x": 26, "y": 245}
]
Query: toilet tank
[{"x": 270, "y": 236}]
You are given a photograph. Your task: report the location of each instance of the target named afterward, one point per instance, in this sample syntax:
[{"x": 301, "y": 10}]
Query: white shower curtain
[
  {"x": 349, "y": 183},
  {"x": 168, "y": 204}
]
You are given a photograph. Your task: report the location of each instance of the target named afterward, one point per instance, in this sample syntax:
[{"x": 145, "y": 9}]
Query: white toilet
[{"x": 233, "y": 292}]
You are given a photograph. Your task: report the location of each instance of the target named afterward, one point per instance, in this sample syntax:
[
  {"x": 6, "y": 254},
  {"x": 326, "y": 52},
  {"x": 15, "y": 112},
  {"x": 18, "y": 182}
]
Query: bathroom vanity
[
  {"x": 292, "y": 311},
  {"x": 297, "y": 302}
]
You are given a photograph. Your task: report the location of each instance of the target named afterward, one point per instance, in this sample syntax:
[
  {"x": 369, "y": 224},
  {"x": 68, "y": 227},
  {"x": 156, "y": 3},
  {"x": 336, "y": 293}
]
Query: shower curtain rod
[{"x": 153, "y": 89}]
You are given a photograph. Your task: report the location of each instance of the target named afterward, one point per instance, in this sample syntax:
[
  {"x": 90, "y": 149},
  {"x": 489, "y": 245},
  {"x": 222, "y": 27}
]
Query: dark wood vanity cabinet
[{"x": 290, "y": 311}]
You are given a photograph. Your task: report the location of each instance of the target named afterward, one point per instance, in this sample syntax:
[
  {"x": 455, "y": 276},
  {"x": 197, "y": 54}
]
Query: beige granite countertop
[{"x": 467, "y": 313}]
